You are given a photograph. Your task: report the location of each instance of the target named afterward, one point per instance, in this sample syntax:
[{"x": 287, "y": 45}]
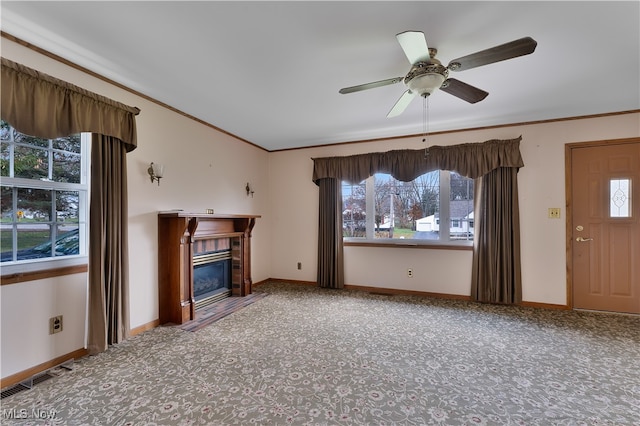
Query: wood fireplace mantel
[{"x": 178, "y": 234}]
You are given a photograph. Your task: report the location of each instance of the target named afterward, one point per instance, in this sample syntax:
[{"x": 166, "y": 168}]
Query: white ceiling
[{"x": 269, "y": 72}]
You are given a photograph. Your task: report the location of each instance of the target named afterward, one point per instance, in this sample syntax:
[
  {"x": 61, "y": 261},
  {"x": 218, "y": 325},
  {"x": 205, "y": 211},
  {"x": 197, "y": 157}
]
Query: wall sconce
[
  {"x": 249, "y": 190},
  {"x": 156, "y": 171}
]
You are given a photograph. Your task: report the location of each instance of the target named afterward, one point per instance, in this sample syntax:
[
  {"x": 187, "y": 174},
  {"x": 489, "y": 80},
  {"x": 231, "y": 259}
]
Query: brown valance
[
  {"x": 470, "y": 159},
  {"x": 39, "y": 105}
]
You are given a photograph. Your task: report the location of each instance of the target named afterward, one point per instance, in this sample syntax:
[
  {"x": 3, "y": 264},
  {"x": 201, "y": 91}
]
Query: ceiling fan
[{"x": 427, "y": 73}]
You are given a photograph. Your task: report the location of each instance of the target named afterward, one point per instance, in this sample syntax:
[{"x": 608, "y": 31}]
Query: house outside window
[
  {"x": 44, "y": 200},
  {"x": 436, "y": 207}
]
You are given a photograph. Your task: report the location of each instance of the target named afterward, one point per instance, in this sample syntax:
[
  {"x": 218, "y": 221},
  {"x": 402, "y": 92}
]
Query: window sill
[
  {"x": 466, "y": 245},
  {"x": 10, "y": 277}
]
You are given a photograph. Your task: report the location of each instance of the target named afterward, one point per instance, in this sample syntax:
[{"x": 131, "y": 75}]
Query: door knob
[{"x": 582, "y": 239}]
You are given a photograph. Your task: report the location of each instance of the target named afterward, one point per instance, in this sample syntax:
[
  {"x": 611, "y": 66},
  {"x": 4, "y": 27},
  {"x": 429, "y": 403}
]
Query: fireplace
[
  {"x": 202, "y": 258},
  {"x": 211, "y": 277}
]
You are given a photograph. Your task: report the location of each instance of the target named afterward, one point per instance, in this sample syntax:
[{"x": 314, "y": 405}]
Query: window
[
  {"x": 435, "y": 207},
  {"x": 44, "y": 200},
  {"x": 620, "y": 198}
]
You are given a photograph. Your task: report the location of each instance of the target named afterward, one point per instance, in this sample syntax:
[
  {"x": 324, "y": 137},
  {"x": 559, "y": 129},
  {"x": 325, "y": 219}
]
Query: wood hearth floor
[{"x": 218, "y": 310}]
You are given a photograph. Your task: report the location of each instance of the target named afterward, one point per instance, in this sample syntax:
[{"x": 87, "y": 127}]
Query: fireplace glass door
[{"x": 211, "y": 277}]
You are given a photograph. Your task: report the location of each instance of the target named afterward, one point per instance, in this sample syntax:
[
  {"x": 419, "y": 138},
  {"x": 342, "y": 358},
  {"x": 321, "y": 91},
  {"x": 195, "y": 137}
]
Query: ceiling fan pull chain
[{"x": 425, "y": 122}]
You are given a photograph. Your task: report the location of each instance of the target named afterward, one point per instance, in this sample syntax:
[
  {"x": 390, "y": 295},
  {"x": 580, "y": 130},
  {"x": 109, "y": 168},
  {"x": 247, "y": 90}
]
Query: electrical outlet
[
  {"x": 55, "y": 324},
  {"x": 299, "y": 265},
  {"x": 410, "y": 273},
  {"x": 554, "y": 213}
]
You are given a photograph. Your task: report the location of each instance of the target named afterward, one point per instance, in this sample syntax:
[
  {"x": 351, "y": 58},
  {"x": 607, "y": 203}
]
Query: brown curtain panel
[
  {"x": 330, "y": 249},
  {"x": 108, "y": 251},
  {"x": 496, "y": 276},
  {"x": 43, "y": 106},
  {"x": 494, "y": 164}
]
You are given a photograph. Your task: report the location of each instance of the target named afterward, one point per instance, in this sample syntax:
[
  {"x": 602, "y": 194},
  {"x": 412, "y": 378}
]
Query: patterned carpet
[{"x": 308, "y": 356}]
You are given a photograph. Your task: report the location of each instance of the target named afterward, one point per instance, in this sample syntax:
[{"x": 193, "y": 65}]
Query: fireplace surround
[{"x": 189, "y": 241}]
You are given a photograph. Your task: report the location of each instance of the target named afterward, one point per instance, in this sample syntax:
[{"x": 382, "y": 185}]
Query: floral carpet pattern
[{"x": 309, "y": 356}]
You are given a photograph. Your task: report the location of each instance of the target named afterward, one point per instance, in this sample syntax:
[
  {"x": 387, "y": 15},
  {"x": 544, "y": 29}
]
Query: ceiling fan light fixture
[{"x": 424, "y": 79}]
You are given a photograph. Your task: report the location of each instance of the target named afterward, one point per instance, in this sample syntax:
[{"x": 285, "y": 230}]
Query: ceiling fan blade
[
  {"x": 370, "y": 85},
  {"x": 513, "y": 49},
  {"x": 402, "y": 104},
  {"x": 463, "y": 91},
  {"x": 415, "y": 46}
]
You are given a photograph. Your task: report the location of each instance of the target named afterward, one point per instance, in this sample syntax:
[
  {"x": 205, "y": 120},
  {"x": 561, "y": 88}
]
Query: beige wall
[
  {"x": 208, "y": 169},
  {"x": 541, "y": 183}
]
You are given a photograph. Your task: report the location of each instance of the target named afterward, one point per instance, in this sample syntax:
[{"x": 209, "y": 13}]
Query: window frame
[
  {"x": 24, "y": 270},
  {"x": 445, "y": 242}
]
